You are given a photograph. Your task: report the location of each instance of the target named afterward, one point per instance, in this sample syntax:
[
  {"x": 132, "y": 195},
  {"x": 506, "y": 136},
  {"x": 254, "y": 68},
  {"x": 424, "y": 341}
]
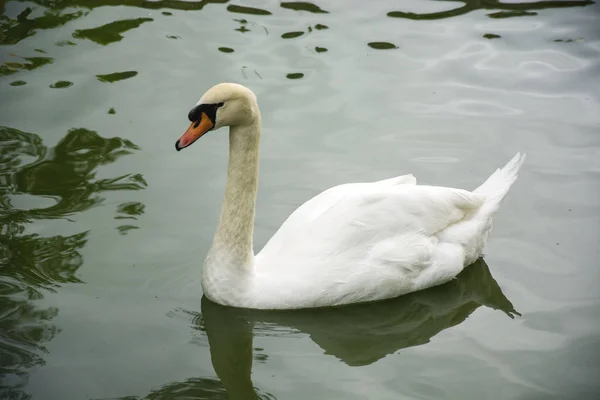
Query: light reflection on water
[{"x": 103, "y": 227}]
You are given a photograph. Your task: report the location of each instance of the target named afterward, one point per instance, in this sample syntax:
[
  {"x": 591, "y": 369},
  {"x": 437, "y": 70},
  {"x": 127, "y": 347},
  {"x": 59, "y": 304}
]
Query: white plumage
[{"x": 352, "y": 243}]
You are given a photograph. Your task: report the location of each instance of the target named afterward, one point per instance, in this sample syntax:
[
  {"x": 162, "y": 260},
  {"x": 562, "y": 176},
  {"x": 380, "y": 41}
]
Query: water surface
[{"x": 103, "y": 226}]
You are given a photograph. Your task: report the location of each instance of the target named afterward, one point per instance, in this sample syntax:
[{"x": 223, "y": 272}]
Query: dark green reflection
[
  {"x": 303, "y": 6},
  {"x": 510, "y": 9},
  {"x": 491, "y": 36},
  {"x": 130, "y": 210},
  {"x": 61, "y": 85},
  {"x": 358, "y": 335},
  {"x": 111, "y": 32},
  {"x": 146, "y": 4},
  {"x": 30, "y": 63},
  {"x": 116, "y": 76},
  {"x": 579, "y": 40},
  {"x": 242, "y": 29},
  {"x": 18, "y": 83},
  {"x": 13, "y": 30},
  {"x": 382, "y": 45},
  {"x": 295, "y": 75},
  {"x": 30, "y": 264},
  {"x": 510, "y": 14},
  {"x": 21, "y": 27},
  {"x": 67, "y": 173},
  {"x": 291, "y": 35},
  {"x": 247, "y": 10}
]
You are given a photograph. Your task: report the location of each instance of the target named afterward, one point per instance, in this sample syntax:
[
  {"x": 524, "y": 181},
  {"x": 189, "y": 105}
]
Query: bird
[{"x": 352, "y": 243}]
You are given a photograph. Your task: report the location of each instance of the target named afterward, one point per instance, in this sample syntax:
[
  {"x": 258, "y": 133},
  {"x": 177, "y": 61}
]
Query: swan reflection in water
[{"x": 357, "y": 335}]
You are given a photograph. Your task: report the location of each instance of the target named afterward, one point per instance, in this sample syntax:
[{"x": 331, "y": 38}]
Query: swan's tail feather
[
  {"x": 498, "y": 184},
  {"x": 473, "y": 231}
]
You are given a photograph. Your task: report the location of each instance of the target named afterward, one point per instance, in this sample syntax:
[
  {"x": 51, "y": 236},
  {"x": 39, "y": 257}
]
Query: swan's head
[{"x": 225, "y": 104}]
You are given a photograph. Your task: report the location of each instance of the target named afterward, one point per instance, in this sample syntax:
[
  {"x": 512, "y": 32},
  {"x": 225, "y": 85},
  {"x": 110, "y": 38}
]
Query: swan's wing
[
  {"x": 330, "y": 198},
  {"x": 360, "y": 215},
  {"x": 399, "y": 180},
  {"x": 363, "y": 241}
]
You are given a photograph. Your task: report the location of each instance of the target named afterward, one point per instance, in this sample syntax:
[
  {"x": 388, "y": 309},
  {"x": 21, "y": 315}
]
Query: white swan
[{"x": 352, "y": 243}]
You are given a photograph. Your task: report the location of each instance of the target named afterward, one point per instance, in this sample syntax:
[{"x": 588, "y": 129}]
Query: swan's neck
[{"x": 232, "y": 250}]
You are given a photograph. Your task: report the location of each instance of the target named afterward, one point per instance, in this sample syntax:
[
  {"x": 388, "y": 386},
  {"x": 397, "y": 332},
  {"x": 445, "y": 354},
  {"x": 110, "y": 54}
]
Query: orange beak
[{"x": 194, "y": 132}]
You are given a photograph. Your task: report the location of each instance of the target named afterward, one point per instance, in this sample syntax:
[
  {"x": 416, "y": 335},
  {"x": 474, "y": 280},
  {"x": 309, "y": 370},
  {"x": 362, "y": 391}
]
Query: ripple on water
[
  {"x": 436, "y": 159},
  {"x": 463, "y": 107},
  {"x": 582, "y": 202},
  {"x": 533, "y": 62}
]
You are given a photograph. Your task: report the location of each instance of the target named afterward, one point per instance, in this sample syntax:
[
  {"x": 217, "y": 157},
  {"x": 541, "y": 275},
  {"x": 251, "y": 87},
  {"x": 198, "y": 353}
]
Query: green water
[{"x": 104, "y": 226}]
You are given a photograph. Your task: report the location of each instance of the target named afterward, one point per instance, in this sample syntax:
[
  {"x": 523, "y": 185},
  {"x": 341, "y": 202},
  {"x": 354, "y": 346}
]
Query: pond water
[{"x": 104, "y": 226}]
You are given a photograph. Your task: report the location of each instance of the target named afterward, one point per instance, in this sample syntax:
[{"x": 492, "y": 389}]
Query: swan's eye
[{"x": 221, "y": 104}]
